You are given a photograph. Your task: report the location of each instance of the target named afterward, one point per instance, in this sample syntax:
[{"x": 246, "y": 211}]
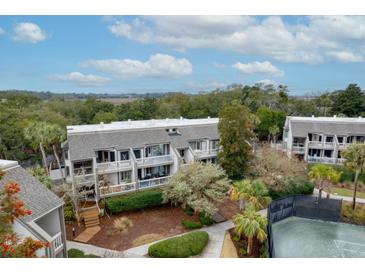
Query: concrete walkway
[
  {"x": 213, "y": 249},
  {"x": 95, "y": 250},
  {"x": 345, "y": 198}
]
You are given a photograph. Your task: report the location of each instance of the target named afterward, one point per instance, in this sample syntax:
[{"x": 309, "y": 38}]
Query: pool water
[{"x": 297, "y": 237}]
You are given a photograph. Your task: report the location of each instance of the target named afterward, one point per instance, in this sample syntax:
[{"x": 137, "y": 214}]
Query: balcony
[
  {"x": 155, "y": 182},
  {"x": 107, "y": 191},
  {"x": 116, "y": 166},
  {"x": 155, "y": 160},
  {"x": 298, "y": 148},
  {"x": 57, "y": 242},
  {"x": 317, "y": 144},
  {"x": 84, "y": 179},
  {"x": 205, "y": 153},
  {"x": 324, "y": 160}
]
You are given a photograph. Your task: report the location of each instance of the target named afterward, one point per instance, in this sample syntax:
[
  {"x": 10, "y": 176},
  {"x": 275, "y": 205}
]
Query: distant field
[{"x": 117, "y": 101}]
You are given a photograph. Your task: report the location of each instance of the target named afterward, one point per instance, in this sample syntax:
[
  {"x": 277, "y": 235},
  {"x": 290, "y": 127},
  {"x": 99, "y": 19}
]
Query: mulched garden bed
[
  {"x": 163, "y": 220},
  {"x": 241, "y": 246}
]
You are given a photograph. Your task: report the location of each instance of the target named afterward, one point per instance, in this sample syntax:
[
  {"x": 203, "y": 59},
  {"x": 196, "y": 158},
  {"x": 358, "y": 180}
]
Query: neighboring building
[
  {"x": 46, "y": 223},
  {"x": 321, "y": 139},
  {"x": 108, "y": 159}
]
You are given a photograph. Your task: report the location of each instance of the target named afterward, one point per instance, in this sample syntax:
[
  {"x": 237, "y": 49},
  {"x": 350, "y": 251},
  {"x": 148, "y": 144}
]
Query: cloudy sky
[{"x": 180, "y": 53}]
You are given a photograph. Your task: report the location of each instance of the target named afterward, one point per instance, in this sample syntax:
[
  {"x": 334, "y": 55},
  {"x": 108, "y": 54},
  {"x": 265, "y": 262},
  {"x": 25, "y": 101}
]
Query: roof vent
[
  {"x": 101, "y": 124},
  {"x": 312, "y": 116},
  {"x": 181, "y": 118},
  {"x": 334, "y": 116},
  {"x": 360, "y": 117},
  {"x": 129, "y": 120},
  {"x": 208, "y": 117}
]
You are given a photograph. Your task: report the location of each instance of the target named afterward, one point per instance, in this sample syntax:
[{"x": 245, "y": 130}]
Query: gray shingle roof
[
  {"x": 35, "y": 196},
  {"x": 82, "y": 146},
  {"x": 302, "y": 128}
]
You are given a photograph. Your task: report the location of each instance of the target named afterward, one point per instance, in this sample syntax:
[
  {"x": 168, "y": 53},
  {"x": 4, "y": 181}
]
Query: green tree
[
  {"x": 105, "y": 117},
  {"x": 349, "y": 102},
  {"x": 41, "y": 175},
  {"x": 236, "y": 131},
  {"x": 253, "y": 192},
  {"x": 252, "y": 225},
  {"x": 198, "y": 186},
  {"x": 323, "y": 176},
  {"x": 354, "y": 157}
]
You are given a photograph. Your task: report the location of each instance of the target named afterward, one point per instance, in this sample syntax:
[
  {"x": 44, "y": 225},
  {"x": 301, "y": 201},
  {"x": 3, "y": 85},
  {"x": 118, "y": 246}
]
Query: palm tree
[
  {"x": 254, "y": 192},
  {"x": 324, "y": 175},
  {"x": 354, "y": 157},
  {"x": 252, "y": 225},
  {"x": 43, "y": 135}
]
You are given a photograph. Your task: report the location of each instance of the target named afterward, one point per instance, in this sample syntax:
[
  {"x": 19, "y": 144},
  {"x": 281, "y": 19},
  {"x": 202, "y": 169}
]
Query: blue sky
[{"x": 180, "y": 53}]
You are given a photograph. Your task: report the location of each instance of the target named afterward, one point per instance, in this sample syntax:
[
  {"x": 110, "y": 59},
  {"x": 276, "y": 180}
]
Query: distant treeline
[{"x": 19, "y": 110}]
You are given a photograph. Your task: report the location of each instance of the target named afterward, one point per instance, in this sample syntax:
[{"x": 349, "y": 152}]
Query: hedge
[
  {"x": 298, "y": 186},
  {"x": 191, "y": 224},
  {"x": 77, "y": 253},
  {"x": 184, "y": 246},
  {"x": 68, "y": 213},
  {"x": 205, "y": 219},
  {"x": 133, "y": 201}
]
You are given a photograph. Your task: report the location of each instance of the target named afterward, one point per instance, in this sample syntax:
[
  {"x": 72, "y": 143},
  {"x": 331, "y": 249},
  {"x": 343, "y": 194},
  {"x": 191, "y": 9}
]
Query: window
[
  {"x": 137, "y": 153},
  {"x": 340, "y": 139},
  {"x": 103, "y": 156},
  {"x": 214, "y": 144},
  {"x": 157, "y": 150},
  {"x": 125, "y": 176},
  {"x": 329, "y": 139},
  {"x": 83, "y": 167},
  {"x": 198, "y": 145},
  {"x": 328, "y": 153},
  {"x": 157, "y": 171},
  {"x": 124, "y": 155}
]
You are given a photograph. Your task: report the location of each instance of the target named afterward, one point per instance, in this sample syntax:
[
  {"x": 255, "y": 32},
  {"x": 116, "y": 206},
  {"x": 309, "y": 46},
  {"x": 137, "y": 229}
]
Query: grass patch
[
  {"x": 77, "y": 253},
  {"x": 347, "y": 192},
  {"x": 184, "y": 246},
  {"x": 146, "y": 239},
  {"x": 191, "y": 224}
]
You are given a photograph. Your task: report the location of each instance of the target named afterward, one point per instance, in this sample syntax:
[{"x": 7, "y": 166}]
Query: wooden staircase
[{"x": 90, "y": 217}]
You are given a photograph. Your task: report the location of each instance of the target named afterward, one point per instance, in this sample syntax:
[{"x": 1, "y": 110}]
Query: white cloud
[
  {"x": 306, "y": 41},
  {"x": 258, "y": 68},
  {"x": 28, "y": 32},
  {"x": 266, "y": 82},
  {"x": 2, "y": 31},
  {"x": 158, "y": 65},
  {"x": 80, "y": 79},
  {"x": 345, "y": 56}
]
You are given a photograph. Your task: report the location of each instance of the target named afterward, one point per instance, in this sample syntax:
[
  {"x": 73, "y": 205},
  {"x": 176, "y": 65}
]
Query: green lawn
[{"x": 347, "y": 192}]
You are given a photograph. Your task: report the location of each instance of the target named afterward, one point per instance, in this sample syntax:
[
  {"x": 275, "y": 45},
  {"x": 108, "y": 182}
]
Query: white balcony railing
[
  {"x": 84, "y": 179},
  {"x": 206, "y": 152},
  {"x": 57, "y": 242},
  {"x": 317, "y": 143},
  {"x": 113, "y": 166},
  {"x": 154, "y": 160},
  {"x": 117, "y": 189},
  {"x": 326, "y": 160},
  {"x": 298, "y": 149},
  {"x": 153, "y": 182}
]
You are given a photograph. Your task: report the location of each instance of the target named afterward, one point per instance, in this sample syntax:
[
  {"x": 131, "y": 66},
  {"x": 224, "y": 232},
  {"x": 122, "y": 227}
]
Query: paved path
[
  {"x": 212, "y": 250},
  {"x": 345, "y": 198},
  {"x": 95, "y": 250},
  {"x": 87, "y": 234}
]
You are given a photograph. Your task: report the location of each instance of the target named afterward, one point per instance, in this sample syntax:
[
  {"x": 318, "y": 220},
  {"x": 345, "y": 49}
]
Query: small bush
[
  {"x": 189, "y": 211},
  {"x": 356, "y": 216},
  {"x": 235, "y": 238},
  {"x": 122, "y": 224},
  {"x": 191, "y": 224},
  {"x": 68, "y": 213},
  {"x": 294, "y": 186},
  {"x": 77, "y": 253},
  {"x": 242, "y": 252},
  {"x": 184, "y": 246},
  {"x": 205, "y": 219},
  {"x": 137, "y": 200}
]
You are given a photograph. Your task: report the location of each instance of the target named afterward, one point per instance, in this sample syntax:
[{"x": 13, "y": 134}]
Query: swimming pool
[{"x": 296, "y": 237}]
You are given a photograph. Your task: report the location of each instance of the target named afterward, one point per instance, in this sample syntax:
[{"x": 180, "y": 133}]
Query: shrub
[
  {"x": 235, "y": 238},
  {"x": 68, "y": 213},
  {"x": 77, "y": 253},
  {"x": 184, "y": 246},
  {"x": 356, "y": 216},
  {"x": 242, "y": 252},
  {"x": 122, "y": 224},
  {"x": 292, "y": 187},
  {"x": 191, "y": 224},
  {"x": 137, "y": 200},
  {"x": 205, "y": 219},
  {"x": 189, "y": 211}
]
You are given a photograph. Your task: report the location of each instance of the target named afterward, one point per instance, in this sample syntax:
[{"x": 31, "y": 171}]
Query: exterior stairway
[{"x": 90, "y": 217}]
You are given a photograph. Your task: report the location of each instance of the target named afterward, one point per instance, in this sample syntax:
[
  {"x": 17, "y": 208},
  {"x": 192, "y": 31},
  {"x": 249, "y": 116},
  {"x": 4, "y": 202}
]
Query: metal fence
[{"x": 301, "y": 206}]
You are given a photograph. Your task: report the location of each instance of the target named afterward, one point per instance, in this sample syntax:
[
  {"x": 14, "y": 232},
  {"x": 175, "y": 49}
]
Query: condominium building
[
  {"x": 321, "y": 139},
  {"x": 120, "y": 157},
  {"x": 46, "y": 223}
]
